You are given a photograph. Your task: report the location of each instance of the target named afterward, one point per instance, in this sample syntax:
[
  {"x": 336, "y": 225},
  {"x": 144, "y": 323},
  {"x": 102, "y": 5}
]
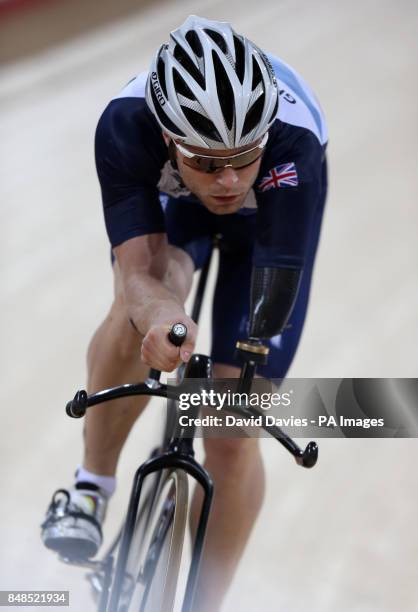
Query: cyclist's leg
[
  {"x": 113, "y": 359},
  {"x": 236, "y": 467},
  {"x": 72, "y": 526}
]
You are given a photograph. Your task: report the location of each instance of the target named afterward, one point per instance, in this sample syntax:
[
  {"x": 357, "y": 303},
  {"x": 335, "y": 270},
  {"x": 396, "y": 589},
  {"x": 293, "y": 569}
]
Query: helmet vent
[
  {"x": 193, "y": 40},
  {"x": 183, "y": 59},
  {"x": 257, "y": 76},
  {"x": 161, "y": 76},
  {"x": 218, "y": 39},
  {"x": 225, "y": 91},
  {"x": 201, "y": 124},
  {"x": 181, "y": 86},
  {"x": 240, "y": 58},
  {"x": 253, "y": 116}
]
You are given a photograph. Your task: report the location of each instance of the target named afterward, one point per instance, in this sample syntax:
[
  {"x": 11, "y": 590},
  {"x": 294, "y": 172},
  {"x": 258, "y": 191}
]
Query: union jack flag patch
[{"x": 284, "y": 175}]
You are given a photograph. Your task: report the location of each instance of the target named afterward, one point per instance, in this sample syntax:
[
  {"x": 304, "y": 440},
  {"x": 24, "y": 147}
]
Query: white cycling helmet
[{"x": 212, "y": 88}]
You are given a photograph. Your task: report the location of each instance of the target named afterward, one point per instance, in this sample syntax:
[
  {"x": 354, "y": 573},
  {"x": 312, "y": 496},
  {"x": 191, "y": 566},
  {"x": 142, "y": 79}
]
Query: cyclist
[{"x": 217, "y": 139}]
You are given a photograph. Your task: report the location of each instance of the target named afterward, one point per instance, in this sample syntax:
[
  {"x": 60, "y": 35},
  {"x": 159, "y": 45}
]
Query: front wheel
[{"x": 153, "y": 565}]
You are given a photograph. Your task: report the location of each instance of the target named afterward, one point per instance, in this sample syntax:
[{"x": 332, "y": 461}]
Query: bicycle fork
[{"x": 170, "y": 460}]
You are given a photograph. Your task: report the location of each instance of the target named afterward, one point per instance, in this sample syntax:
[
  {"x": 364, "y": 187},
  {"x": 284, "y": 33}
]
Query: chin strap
[
  {"x": 172, "y": 155},
  {"x": 273, "y": 295}
]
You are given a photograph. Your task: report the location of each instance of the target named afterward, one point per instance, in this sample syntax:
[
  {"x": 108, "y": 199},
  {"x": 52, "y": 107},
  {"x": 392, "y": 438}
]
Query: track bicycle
[{"x": 139, "y": 572}]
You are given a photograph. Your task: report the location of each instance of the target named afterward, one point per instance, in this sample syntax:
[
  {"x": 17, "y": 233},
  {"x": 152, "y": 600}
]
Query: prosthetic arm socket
[{"x": 273, "y": 295}]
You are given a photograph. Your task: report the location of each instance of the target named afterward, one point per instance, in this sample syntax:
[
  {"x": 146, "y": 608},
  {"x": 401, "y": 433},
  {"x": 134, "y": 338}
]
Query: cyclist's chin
[{"x": 223, "y": 205}]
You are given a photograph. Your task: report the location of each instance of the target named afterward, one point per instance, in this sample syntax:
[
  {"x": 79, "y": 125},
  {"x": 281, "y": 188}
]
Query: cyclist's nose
[{"x": 227, "y": 177}]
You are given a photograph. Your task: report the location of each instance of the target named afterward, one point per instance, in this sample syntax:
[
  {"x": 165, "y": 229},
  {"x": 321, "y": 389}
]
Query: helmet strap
[
  {"x": 173, "y": 161},
  {"x": 172, "y": 154}
]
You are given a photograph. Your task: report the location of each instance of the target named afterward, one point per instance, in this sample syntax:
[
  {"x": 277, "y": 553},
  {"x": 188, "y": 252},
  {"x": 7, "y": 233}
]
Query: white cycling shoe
[{"x": 73, "y": 524}]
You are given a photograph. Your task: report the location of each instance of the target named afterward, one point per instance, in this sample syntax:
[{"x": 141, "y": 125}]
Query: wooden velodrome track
[{"x": 342, "y": 536}]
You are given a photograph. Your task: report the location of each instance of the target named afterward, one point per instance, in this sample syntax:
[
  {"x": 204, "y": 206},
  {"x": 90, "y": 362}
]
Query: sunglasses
[{"x": 210, "y": 163}]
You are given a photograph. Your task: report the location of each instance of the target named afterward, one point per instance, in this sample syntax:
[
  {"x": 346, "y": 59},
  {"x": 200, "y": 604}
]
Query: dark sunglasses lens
[{"x": 212, "y": 164}]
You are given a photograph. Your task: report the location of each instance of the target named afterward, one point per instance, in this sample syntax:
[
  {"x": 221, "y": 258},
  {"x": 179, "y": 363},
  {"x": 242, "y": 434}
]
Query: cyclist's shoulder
[
  {"x": 296, "y": 146},
  {"x": 127, "y": 114},
  {"x": 127, "y": 130},
  {"x": 298, "y": 105},
  {"x": 297, "y": 140},
  {"x": 134, "y": 88},
  {"x": 292, "y": 151}
]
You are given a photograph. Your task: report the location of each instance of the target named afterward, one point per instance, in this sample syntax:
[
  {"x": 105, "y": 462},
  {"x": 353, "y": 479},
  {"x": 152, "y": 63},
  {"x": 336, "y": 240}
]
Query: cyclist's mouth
[{"x": 230, "y": 199}]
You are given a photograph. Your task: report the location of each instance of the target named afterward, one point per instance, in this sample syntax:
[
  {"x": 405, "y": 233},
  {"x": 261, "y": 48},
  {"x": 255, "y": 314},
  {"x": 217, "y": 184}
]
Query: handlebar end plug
[
  {"x": 310, "y": 455},
  {"x": 77, "y": 407}
]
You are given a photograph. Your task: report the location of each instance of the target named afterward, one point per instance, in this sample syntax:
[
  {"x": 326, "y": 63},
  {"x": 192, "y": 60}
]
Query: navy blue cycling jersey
[{"x": 136, "y": 175}]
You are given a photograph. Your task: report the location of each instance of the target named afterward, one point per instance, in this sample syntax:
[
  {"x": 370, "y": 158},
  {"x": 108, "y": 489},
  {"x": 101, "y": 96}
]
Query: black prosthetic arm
[{"x": 273, "y": 295}]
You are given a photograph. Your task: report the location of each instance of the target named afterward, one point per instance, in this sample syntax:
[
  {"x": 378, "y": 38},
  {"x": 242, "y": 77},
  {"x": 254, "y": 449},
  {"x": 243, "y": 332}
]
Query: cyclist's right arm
[
  {"x": 151, "y": 300},
  {"x": 130, "y": 152}
]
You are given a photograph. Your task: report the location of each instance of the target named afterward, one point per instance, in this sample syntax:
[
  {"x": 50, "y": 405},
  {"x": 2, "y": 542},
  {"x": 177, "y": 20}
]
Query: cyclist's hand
[{"x": 158, "y": 352}]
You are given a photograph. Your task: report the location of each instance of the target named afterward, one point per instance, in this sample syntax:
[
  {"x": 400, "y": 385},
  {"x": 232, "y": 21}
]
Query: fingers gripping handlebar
[{"x": 176, "y": 335}]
